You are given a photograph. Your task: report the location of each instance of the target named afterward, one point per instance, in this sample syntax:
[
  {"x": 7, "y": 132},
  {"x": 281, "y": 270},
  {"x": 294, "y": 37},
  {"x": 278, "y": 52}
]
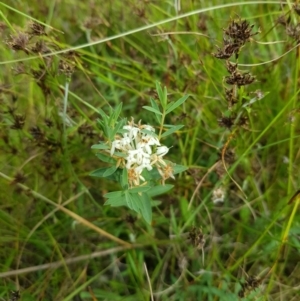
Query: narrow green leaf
[
  {"x": 170, "y": 104},
  {"x": 114, "y": 194},
  {"x": 179, "y": 168},
  {"x": 160, "y": 189},
  {"x": 139, "y": 189},
  {"x": 152, "y": 110},
  {"x": 155, "y": 203},
  {"x": 142, "y": 205},
  {"x": 124, "y": 179},
  {"x": 109, "y": 171},
  {"x": 151, "y": 175},
  {"x": 145, "y": 207},
  {"x": 98, "y": 172},
  {"x": 130, "y": 202},
  {"x": 155, "y": 106},
  {"x": 100, "y": 146},
  {"x": 176, "y": 104},
  {"x": 172, "y": 130},
  {"x": 116, "y": 112},
  {"x": 160, "y": 94},
  {"x": 103, "y": 115},
  {"x": 119, "y": 126},
  {"x": 119, "y": 154},
  {"x": 115, "y": 202},
  {"x": 165, "y": 99},
  {"x": 105, "y": 158}
]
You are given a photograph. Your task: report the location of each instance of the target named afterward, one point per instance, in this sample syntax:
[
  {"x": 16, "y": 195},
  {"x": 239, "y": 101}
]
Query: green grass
[{"x": 58, "y": 240}]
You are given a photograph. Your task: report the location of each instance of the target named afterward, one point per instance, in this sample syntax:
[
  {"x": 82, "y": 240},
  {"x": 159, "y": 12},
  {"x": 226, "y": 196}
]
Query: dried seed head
[
  {"x": 66, "y": 67},
  {"x": 197, "y": 238},
  {"x": 19, "y": 42},
  {"x": 293, "y": 31},
  {"x": 249, "y": 285},
  {"x": 36, "y": 133},
  {"x": 231, "y": 67},
  {"x": 226, "y": 122},
  {"x": 3, "y": 27},
  {"x": 231, "y": 97},
  {"x": 40, "y": 47},
  {"x": 296, "y": 8},
  {"x": 240, "y": 79},
  {"x": 239, "y": 31},
  {"x": 37, "y": 29},
  {"x": 15, "y": 296},
  {"x": 19, "y": 121},
  {"x": 282, "y": 20}
]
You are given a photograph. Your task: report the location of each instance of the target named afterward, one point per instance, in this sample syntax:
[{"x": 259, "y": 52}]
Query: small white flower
[
  {"x": 138, "y": 149},
  {"x": 162, "y": 150},
  {"x": 133, "y": 131},
  {"x": 148, "y": 127}
]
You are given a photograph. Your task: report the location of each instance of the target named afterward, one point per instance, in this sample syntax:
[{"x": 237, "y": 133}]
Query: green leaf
[
  {"x": 172, "y": 130},
  {"x": 98, "y": 172},
  {"x": 103, "y": 115},
  {"x": 139, "y": 189},
  {"x": 119, "y": 154},
  {"x": 155, "y": 106},
  {"x": 142, "y": 205},
  {"x": 145, "y": 207},
  {"x": 109, "y": 171},
  {"x": 100, "y": 146},
  {"x": 130, "y": 202},
  {"x": 151, "y": 175},
  {"x": 179, "y": 168},
  {"x": 162, "y": 95},
  {"x": 160, "y": 189},
  {"x": 124, "y": 179},
  {"x": 155, "y": 203},
  {"x": 105, "y": 158},
  {"x": 116, "y": 202},
  {"x": 116, "y": 112},
  {"x": 173, "y": 106},
  {"x": 114, "y": 194},
  {"x": 119, "y": 126},
  {"x": 152, "y": 110},
  {"x": 150, "y": 133}
]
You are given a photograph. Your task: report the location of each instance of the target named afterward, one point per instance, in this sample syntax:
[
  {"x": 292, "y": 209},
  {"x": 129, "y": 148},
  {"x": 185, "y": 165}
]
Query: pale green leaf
[
  {"x": 139, "y": 189},
  {"x": 179, "y": 168},
  {"x": 114, "y": 194},
  {"x": 172, "y": 130},
  {"x": 130, "y": 201},
  {"x": 160, "y": 189},
  {"x": 98, "y": 172},
  {"x": 176, "y": 104},
  {"x": 124, "y": 178},
  {"x": 116, "y": 202},
  {"x": 145, "y": 207},
  {"x": 155, "y": 106},
  {"x": 100, "y": 146},
  {"x": 152, "y": 110},
  {"x": 109, "y": 171},
  {"x": 160, "y": 93},
  {"x": 106, "y": 158}
]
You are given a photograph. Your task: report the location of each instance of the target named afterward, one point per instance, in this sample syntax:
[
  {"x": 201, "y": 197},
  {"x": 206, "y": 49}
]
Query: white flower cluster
[{"x": 142, "y": 150}]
